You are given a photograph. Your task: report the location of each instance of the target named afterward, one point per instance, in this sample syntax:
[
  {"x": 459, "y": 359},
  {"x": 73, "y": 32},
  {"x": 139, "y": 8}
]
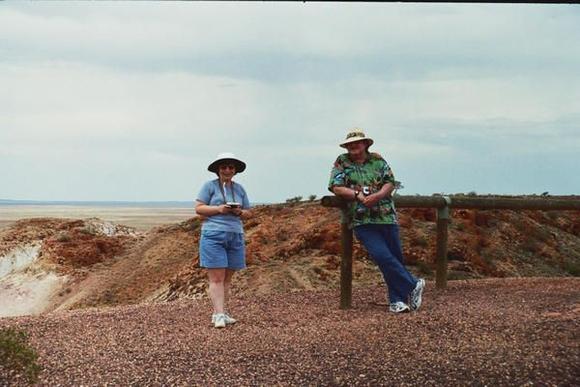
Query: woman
[
  {"x": 366, "y": 180},
  {"x": 223, "y": 204}
]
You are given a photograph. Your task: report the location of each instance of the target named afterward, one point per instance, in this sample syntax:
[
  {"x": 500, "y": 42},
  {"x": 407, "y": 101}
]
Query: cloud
[
  {"x": 131, "y": 101},
  {"x": 289, "y": 42}
]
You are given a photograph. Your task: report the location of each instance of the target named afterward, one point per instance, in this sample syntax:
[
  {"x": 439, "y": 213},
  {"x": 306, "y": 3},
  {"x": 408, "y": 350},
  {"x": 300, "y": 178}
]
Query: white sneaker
[
  {"x": 219, "y": 320},
  {"x": 417, "y": 295},
  {"x": 399, "y": 307},
  {"x": 228, "y": 318}
]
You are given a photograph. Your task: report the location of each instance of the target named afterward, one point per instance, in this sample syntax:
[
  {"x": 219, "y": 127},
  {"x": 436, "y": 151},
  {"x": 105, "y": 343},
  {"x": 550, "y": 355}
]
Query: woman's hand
[
  {"x": 203, "y": 210},
  {"x": 224, "y": 209},
  {"x": 237, "y": 211}
]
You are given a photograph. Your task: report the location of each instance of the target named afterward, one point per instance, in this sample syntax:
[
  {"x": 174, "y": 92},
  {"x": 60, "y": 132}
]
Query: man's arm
[
  {"x": 386, "y": 191},
  {"x": 347, "y": 193}
]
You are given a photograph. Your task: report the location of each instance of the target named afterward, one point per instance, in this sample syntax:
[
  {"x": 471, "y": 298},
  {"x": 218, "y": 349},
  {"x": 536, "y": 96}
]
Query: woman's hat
[
  {"x": 356, "y": 134},
  {"x": 226, "y": 158}
]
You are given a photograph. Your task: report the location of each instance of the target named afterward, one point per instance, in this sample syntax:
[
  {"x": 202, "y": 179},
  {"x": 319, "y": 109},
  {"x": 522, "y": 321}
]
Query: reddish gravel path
[{"x": 494, "y": 332}]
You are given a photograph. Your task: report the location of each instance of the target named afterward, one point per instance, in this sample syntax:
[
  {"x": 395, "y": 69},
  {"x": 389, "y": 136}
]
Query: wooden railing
[{"x": 443, "y": 204}]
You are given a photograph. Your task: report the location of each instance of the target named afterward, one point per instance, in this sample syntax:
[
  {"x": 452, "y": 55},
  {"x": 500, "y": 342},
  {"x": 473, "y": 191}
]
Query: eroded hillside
[{"x": 48, "y": 264}]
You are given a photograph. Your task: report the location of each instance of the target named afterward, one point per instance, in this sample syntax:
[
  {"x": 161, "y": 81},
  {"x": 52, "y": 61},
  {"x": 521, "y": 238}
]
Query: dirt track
[{"x": 494, "y": 332}]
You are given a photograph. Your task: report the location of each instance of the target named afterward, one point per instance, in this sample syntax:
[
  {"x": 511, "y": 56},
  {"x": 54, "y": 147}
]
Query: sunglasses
[{"x": 228, "y": 166}]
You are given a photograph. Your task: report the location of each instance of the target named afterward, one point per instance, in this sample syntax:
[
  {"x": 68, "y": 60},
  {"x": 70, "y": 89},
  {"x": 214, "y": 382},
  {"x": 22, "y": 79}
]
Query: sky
[{"x": 133, "y": 100}]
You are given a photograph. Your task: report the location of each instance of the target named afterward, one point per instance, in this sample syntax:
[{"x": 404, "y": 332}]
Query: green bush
[
  {"x": 573, "y": 268},
  {"x": 89, "y": 229},
  {"x": 424, "y": 268},
  {"x": 63, "y": 237},
  {"x": 16, "y": 355},
  {"x": 295, "y": 199}
]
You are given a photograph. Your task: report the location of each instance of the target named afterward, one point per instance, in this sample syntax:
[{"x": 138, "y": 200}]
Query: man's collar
[{"x": 367, "y": 158}]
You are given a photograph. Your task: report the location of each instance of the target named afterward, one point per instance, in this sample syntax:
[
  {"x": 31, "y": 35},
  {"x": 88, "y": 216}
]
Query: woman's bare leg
[
  {"x": 216, "y": 288},
  {"x": 227, "y": 285}
]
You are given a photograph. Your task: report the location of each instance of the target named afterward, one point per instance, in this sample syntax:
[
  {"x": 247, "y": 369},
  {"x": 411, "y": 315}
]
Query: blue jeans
[{"x": 384, "y": 246}]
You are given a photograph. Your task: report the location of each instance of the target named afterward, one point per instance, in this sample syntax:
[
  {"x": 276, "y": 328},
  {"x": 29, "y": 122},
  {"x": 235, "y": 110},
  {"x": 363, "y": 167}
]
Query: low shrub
[
  {"x": 531, "y": 246},
  {"x": 63, "y": 237},
  {"x": 295, "y": 199},
  {"x": 16, "y": 356},
  {"x": 88, "y": 229},
  {"x": 424, "y": 268},
  {"x": 420, "y": 240},
  {"x": 458, "y": 275},
  {"x": 573, "y": 268}
]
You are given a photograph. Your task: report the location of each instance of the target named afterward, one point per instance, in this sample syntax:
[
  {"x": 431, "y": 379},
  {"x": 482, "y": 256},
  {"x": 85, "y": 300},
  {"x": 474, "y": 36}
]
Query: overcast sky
[{"x": 132, "y": 101}]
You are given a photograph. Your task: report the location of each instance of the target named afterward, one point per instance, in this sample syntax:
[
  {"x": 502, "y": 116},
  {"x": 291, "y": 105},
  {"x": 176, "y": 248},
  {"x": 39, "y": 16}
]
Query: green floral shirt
[{"x": 373, "y": 173}]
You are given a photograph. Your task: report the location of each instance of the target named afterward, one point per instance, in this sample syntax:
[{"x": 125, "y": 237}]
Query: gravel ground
[{"x": 477, "y": 332}]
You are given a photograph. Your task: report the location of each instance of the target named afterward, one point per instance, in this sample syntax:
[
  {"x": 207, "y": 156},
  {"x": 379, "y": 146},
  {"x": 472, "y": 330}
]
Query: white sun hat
[
  {"x": 224, "y": 158},
  {"x": 356, "y": 134}
]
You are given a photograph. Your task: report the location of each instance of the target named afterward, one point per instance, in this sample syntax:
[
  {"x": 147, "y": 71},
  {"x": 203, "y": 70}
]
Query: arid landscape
[
  {"x": 93, "y": 271},
  {"x": 93, "y": 262},
  {"x": 487, "y": 332},
  {"x": 116, "y": 115},
  {"x": 141, "y": 218}
]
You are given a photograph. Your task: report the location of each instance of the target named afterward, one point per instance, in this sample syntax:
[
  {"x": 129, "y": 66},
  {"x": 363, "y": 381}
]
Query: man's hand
[{"x": 371, "y": 200}]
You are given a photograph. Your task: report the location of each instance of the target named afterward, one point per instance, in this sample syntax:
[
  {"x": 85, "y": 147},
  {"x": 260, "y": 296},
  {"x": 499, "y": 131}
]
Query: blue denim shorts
[{"x": 222, "y": 250}]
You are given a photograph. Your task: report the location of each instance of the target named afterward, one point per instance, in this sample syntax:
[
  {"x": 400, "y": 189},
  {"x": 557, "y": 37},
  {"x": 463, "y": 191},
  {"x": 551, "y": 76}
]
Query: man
[{"x": 366, "y": 181}]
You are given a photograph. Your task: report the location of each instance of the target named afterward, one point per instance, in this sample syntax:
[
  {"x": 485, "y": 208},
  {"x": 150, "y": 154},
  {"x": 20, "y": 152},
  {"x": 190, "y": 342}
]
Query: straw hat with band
[
  {"x": 356, "y": 134},
  {"x": 224, "y": 158}
]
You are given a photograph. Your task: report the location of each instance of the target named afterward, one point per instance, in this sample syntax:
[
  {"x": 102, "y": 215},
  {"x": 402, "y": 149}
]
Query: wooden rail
[{"x": 443, "y": 204}]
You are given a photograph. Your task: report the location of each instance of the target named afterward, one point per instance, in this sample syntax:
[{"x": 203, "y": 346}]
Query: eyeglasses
[{"x": 228, "y": 166}]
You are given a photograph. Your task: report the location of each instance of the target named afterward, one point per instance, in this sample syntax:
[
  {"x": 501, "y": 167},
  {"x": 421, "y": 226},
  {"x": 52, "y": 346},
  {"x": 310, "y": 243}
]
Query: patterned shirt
[{"x": 370, "y": 177}]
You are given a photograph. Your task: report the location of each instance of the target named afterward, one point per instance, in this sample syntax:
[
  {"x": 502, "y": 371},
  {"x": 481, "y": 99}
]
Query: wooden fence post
[
  {"x": 345, "y": 263},
  {"x": 443, "y": 205},
  {"x": 443, "y": 216}
]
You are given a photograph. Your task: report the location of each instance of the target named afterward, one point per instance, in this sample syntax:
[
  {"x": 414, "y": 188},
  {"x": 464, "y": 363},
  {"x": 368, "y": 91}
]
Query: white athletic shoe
[
  {"x": 399, "y": 307},
  {"x": 229, "y": 320},
  {"x": 417, "y": 295},
  {"x": 219, "y": 320}
]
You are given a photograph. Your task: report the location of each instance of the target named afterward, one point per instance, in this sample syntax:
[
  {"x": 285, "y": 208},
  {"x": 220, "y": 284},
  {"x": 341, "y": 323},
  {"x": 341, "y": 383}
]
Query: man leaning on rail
[{"x": 366, "y": 181}]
